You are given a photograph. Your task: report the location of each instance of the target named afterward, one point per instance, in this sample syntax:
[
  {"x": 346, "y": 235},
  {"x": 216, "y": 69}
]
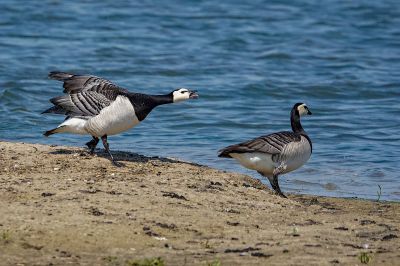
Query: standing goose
[
  {"x": 276, "y": 153},
  {"x": 97, "y": 107}
]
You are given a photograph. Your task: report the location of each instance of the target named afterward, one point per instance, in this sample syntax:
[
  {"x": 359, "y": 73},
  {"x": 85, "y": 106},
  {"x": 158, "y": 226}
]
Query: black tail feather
[
  {"x": 49, "y": 132},
  {"x": 224, "y": 153}
]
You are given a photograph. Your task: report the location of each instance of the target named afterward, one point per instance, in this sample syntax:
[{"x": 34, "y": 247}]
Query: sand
[{"x": 61, "y": 206}]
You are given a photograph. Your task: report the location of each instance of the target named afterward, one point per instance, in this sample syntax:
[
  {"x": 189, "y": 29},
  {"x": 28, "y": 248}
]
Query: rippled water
[{"x": 250, "y": 61}]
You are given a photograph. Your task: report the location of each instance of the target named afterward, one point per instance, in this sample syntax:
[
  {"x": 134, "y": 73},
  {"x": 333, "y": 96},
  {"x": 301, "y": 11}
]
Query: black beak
[
  {"x": 309, "y": 112},
  {"x": 193, "y": 95}
]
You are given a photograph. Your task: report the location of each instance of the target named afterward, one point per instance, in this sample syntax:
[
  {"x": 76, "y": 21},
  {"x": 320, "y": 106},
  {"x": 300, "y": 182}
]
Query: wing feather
[
  {"x": 85, "y": 103},
  {"x": 270, "y": 144},
  {"x": 86, "y": 95},
  {"x": 80, "y": 83}
]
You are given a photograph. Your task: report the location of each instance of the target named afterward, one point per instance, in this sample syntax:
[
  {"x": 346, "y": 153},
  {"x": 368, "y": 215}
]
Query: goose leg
[
  {"x": 275, "y": 186},
  {"x": 274, "y": 181},
  {"x": 92, "y": 144},
  {"x": 107, "y": 147}
]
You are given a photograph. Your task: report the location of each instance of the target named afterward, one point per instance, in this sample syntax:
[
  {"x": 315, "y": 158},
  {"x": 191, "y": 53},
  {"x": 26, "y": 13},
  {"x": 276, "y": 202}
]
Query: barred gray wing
[
  {"x": 271, "y": 144},
  {"x": 84, "y": 103},
  {"x": 80, "y": 83}
]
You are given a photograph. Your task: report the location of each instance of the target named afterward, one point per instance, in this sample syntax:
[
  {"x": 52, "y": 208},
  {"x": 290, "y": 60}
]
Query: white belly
[
  {"x": 258, "y": 161},
  {"x": 115, "y": 118},
  {"x": 73, "y": 125}
]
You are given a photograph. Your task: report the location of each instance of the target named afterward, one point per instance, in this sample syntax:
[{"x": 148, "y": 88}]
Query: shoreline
[{"x": 60, "y": 205}]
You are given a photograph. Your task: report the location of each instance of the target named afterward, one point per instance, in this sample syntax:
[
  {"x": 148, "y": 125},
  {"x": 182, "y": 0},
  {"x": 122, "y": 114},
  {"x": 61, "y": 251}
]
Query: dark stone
[
  {"x": 310, "y": 222},
  {"x": 353, "y": 246},
  {"x": 47, "y": 194},
  {"x": 167, "y": 226},
  {"x": 343, "y": 228},
  {"x": 312, "y": 245},
  {"x": 232, "y": 211},
  {"x": 30, "y": 246},
  {"x": 388, "y": 237},
  {"x": 261, "y": 255},
  {"x": 241, "y": 250},
  {"x": 246, "y": 185},
  {"x": 96, "y": 212},
  {"x": 149, "y": 232},
  {"x": 366, "y": 222},
  {"x": 65, "y": 254},
  {"x": 173, "y": 195}
]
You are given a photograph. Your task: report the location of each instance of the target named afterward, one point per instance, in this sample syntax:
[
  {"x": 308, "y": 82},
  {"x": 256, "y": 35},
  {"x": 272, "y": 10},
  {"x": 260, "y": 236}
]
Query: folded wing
[{"x": 270, "y": 144}]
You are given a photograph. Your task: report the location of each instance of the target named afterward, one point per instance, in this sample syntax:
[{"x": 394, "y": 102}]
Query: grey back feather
[{"x": 270, "y": 144}]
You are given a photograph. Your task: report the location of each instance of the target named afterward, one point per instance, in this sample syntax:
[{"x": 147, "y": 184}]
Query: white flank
[
  {"x": 261, "y": 162},
  {"x": 119, "y": 116},
  {"x": 73, "y": 125}
]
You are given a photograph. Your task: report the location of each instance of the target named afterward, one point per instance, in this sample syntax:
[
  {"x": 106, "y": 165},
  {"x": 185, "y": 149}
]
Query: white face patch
[
  {"x": 303, "y": 109},
  {"x": 181, "y": 95}
]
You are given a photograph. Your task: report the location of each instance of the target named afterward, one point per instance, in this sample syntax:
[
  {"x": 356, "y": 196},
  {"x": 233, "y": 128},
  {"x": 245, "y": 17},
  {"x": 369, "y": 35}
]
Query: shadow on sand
[{"x": 121, "y": 156}]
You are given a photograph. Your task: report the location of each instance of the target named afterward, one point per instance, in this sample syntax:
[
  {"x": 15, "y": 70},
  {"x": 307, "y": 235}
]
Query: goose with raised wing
[
  {"x": 277, "y": 153},
  {"x": 97, "y": 107}
]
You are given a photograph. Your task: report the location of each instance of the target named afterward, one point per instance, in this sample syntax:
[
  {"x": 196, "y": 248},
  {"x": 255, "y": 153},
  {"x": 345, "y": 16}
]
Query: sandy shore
[{"x": 59, "y": 206}]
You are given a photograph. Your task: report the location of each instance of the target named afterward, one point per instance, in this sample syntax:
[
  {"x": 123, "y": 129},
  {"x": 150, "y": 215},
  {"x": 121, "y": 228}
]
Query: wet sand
[{"x": 60, "y": 206}]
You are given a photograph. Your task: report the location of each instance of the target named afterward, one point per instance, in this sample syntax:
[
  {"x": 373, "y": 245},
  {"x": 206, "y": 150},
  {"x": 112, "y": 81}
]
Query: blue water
[{"x": 249, "y": 60}]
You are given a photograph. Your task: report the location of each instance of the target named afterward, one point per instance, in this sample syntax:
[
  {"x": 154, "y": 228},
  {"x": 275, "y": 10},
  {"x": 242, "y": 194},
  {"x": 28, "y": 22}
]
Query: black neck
[
  {"x": 295, "y": 122},
  {"x": 150, "y": 101},
  {"x": 161, "y": 99},
  {"x": 144, "y": 103}
]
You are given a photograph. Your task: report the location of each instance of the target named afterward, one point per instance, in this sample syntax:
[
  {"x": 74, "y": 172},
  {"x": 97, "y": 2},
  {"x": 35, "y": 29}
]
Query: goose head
[
  {"x": 183, "y": 94},
  {"x": 302, "y": 109}
]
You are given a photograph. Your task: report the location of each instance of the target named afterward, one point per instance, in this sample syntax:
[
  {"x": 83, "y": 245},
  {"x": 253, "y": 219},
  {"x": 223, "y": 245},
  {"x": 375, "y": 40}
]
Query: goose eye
[{"x": 182, "y": 92}]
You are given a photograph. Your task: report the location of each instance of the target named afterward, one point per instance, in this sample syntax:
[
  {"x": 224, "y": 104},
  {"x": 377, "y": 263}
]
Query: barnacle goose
[
  {"x": 97, "y": 107},
  {"x": 276, "y": 153}
]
